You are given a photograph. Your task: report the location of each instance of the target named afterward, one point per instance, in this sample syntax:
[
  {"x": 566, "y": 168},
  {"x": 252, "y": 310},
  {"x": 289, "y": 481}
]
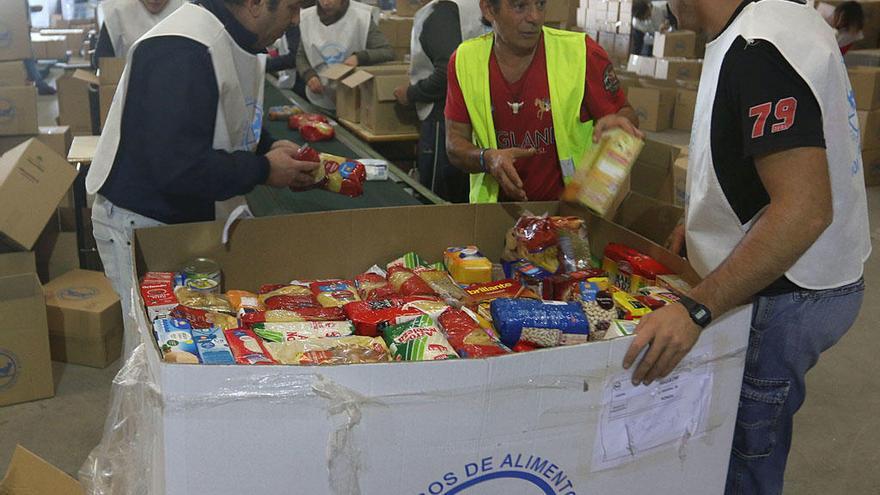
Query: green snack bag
[{"x": 418, "y": 340}]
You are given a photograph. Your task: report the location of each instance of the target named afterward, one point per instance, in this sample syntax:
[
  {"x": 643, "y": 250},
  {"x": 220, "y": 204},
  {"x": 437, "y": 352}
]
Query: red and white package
[
  {"x": 373, "y": 286},
  {"x": 158, "y": 296},
  {"x": 247, "y": 348},
  {"x": 407, "y": 283},
  {"x": 467, "y": 337}
]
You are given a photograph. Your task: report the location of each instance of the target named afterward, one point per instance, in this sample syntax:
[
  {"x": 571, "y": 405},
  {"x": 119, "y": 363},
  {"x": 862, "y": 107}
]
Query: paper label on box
[{"x": 636, "y": 420}]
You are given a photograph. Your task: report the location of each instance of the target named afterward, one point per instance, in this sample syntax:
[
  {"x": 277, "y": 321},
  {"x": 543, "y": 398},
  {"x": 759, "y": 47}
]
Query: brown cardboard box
[
  {"x": 28, "y": 474},
  {"x": 110, "y": 70},
  {"x": 675, "y": 44},
  {"x": 407, "y": 8},
  {"x": 397, "y": 29},
  {"x": 56, "y": 251},
  {"x": 652, "y": 174},
  {"x": 13, "y": 74},
  {"x": 75, "y": 37},
  {"x": 49, "y": 47},
  {"x": 671, "y": 69},
  {"x": 109, "y": 73},
  {"x": 642, "y": 65},
  {"x": 85, "y": 319},
  {"x": 654, "y": 107},
  {"x": 348, "y": 96},
  {"x": 869, "y": 123},
  {"x": 866, "y": 86},
  {"x": 863, "y": 58},
  {"x": 18, "y": 110},
  {"x": 679, "y": 178},
  {"x": 649, "y": 217},
  {"x": 15, "y": 27},
  {"x": 685, "y": 103},
  {"x": 557, "y": 11},
  {"x": 17, "y": 263},
  {"x": 25, "y": 368},
  {"x": 9, "y": 142},
  {"x": 380, "y": 112},
  {"x": 34, "y": 180},
  {"x": 56, "y": 137},
  {"x": 73, "y": 105},
  {"x": 105, "y": 99}
]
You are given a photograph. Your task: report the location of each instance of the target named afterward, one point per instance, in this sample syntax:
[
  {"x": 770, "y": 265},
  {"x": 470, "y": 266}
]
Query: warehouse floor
[{"x": 836, "y": 433}]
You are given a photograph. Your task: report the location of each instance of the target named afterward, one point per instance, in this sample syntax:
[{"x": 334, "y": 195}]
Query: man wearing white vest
[
  {"x": 185, "y": 127},
  {"x": 438, "y": 28},
  {"x": 124, "y": 21},
  {"x": 337, "y": 32},
  {"x": 776, "y": 215}
]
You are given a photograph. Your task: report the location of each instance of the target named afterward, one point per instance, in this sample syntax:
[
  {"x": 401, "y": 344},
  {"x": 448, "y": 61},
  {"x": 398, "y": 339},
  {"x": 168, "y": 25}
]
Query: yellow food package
[
  {"x": 467, "y": 265},
  {"x": 631, "y": 307},
  {"x": 604, "y": 170}
]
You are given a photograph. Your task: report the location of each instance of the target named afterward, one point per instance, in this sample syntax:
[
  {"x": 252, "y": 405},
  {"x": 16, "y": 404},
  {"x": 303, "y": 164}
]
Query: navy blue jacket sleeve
[{"x": 168, "y": 123}]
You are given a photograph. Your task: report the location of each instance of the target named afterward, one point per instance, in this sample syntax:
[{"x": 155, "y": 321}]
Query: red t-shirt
[{"x": 522, "y": 114}]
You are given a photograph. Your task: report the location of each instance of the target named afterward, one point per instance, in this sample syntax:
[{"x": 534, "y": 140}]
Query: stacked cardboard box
[
  {"x": 75, "y": 38},
  {"x": 18, "y": 96},
  {"x": 74, "y": 110},
  {"x": 605, "y": 16},
  {"x": 107, "y": 79},
  {"x": 561, "y": 14},
  {"x": 398, "y": 30},
  {"x": 866, "y": 86},
  {"x": 48, "y": 47}
]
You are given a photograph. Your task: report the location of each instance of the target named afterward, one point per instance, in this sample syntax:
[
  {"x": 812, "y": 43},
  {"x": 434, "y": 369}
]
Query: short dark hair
[
  {"x": 641, "y": 9},
  {"x": 496, "y": 4},
  {"x": 849, "y": 15},
  {"x": 273, "y": 4}
]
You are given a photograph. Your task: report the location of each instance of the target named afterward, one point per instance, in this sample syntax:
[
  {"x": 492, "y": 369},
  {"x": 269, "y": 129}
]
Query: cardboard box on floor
[
  {"x": 869, "y": 124},
  {"x": 675, "y": 44},
  {"x": 398, "y": 31},
  {"x": 654, "y": 106},
  {"x": 56, "y": 249},
  {"x": 18, "y": 110},
  {"x": 107, "y": 78},
  {"x": 379, "y": 111},
  {"x": 33, "y": 180},
  {"x": 73, "y": 105},
  {"x": 85, "y": 319},
  {"x": 56, "y": 137},
  {"x": 25, "y": 367},
  {"x": 17, "y": 263},
  {"x": 75, "y": 37},
  {"x": 866, "y": 86},
  {"x": 685, "y": 104},
  {"x": 13, "y": 74},
  {"x": 15, "y": 27},
  {"x": 28, "y": 474},
  {"x": 652, "y": 174},
  {"x": 671, "y": 69},
  {"x": 551, "y": 404},
  {"x": 49, "y": 47}
]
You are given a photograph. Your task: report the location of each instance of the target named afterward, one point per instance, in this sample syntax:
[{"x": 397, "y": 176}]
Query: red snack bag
[
  {"x": 467, "y": 337},
  {"x": 292, "y": 303},
  {"x": 316, "y": 131},
  {"x": 334, "y": 293},
  {"x": 369, "y": 317},
  {"x": 343, "y": 176},
  {"x": 372, "y": 286},
  {"x": 307, "y": 154},
  {"x": 199, "y": 318},
  {"x": 407, "y": 283},
  {"x": 247, "y": 348},
  {"x": 298, "y": 120}
]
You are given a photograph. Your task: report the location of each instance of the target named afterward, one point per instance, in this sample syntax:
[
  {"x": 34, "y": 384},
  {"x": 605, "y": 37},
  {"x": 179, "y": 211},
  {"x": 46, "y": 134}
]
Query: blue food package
[
  {"x": 540, "y": 323},
  {"x": 212, "y": 346},
  {"x": 176, "y": 341}
]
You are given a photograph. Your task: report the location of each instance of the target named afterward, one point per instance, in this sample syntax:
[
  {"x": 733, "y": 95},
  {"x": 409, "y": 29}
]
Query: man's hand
[
  {"x": 351, "y": 61},
  {"x": 315, "y": 85},
  {"x": 285, "y": 143},
  {"x": 400, "y": 94},
  {"x": 615, "y": 121},
  {"x": 675, "y": 242},
  {"x": 500, "y": 164},
  {"x": 671, "y": 333},
  {"x": 284, "y": 171}
]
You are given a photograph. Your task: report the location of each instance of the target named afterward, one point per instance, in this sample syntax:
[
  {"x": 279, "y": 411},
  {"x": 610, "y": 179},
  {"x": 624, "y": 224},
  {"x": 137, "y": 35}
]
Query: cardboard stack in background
[
  {"x": 75, "y": 38},
  {"x": 107, "y": 79},
  {"x": 398, "y": 31},
  {"x": 654, "y": 173},
  {"x": 49, "y": 47},
  {"x": 866, "y": 86},
  {"x": 609, "y": 23},
  {"x": 18, "y": 96},
  {"x": 561, "y": 14}
]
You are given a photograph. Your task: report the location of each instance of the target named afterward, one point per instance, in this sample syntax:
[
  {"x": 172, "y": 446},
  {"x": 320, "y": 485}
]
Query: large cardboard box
[
  {"x": 107, "y": 78},
  {"x": 15, "y": 27},
  {"x": 652, "y": 174},
  {"x": 28, "y": 474},
  {"x": 49, "y": 47},
  {"x": 398, "y": 31},
  {"x": 25, "y": 368},
  {"x": 866, "y": 86},
  {"x": 17, "y": 263},
  {"x": 9, "y": 142},
  {"x": 654, "y": 107},
  {"x": 33, "y": 180},
  {"x": 75, "y": 37},
  {"x": 641, "y": 65},
  {"x": 348, "y": 96},
  {"x": 537, "y": 422},
  {"x": 671, "y": 69},
  {"x": 56, "y": 137},
  {"x": 859, "y": 58},
  {"x": 675, "y": 44},
  {"x": 56, "y": 250},
  {"x": 85, "y": 319},
  {"x": 380, "y": 113},
  {"x": 869, "y": 124},
  {"x": 652, "y": 218},
  {"x": 871, "y": 165},
  {"x": 18, "y": 110},
  {"x": 73, "y": 105},
  {"x": 110, "y": 70},
  {"x": 685, "y": 103},
  {"x": 680, "y": 170},
  {"x": 13, "y": 74},
  {"x": 105, "y": 100},
  {"x": 407, "y": 8}
]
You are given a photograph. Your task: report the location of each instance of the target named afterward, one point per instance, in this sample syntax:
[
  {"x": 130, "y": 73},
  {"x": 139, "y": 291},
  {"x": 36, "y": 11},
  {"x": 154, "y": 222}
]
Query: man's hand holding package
[
  {"x": 614, "y": 121},
  {"x": 400, "y": 94},
  {"x": 315, "y": 85},
  {"x": 500, "y": 164},
  {"x": 351, "y": 61},
  {"x": 285, "y": 143},
  {"x": 285, "y": 171}
]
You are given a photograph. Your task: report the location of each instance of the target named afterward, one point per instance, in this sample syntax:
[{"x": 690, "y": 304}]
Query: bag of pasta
[
  {"x": 327, "y": 351},
  {"x": 334, "y": 293},
  {"x": 203, "y": 300},
  {"x": 407, "y": 283}
]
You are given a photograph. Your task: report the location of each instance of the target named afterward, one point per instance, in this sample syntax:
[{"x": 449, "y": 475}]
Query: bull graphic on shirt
[{"x": 543, "y": 105}]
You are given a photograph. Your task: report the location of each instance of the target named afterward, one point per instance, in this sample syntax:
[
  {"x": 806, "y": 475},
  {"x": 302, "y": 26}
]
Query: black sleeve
[
  {"x": 288, "y": 61},
  {"x": 266, "y": 142},
  {"x": 777, "y": 109},
  {"x": 104, "y": 48},
  {"x": 440, "y": 36},
  {"x": 170, "y": 124}
]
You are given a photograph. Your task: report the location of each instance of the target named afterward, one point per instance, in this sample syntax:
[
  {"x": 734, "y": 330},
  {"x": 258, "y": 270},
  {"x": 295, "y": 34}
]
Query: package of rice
[{"x": 418, "y": 340}]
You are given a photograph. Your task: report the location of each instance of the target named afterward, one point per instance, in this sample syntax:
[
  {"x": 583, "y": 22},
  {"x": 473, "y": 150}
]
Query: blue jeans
[{"x": 788, "y": 334}]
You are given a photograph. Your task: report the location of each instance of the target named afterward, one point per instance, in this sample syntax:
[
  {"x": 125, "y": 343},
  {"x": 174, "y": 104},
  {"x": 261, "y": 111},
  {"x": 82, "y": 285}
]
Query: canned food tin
[
  {"x": 203, "y": 285},
  {"x": 203, "y": 268}
]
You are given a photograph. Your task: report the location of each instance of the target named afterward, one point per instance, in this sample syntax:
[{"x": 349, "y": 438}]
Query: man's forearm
[
  {"x": 629, "y": 113},
  {"x": 302, "y": 64},
  {"x": 776, "y": 241},
  {"x": 462, "y": 152}
]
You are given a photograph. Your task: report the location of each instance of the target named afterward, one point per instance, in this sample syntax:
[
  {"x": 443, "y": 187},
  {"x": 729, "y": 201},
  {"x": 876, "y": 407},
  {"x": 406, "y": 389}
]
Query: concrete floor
[{"x": 837, "y": 433}]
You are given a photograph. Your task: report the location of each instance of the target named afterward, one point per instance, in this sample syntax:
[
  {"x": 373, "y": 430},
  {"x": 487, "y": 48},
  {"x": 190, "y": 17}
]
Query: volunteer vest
[
  {"x": 325, "y": 45},
  {"x": 128, "y": 20},
  {"x": 240, "y": 77},
  {"x": 421, "y": 67},
  {"x": 713, "y": 229},
  {"x": 566, "y": 56}
]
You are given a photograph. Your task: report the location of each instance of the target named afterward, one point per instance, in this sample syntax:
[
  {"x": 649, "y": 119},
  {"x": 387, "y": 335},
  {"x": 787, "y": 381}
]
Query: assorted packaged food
[
  {"x": 284, "y": 112},
  {"x": 554, "y": 294},
  {"x": 335, "y": 174}
]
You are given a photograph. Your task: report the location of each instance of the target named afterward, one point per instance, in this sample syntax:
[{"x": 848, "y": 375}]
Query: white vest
[
  {"x": 128, "y": 20},
  {"x": 240, "y": 78},
  {"x": 469, "y": 16},
  {"x": 713, "y": 229},
  {"x": 333, "y": 44}
]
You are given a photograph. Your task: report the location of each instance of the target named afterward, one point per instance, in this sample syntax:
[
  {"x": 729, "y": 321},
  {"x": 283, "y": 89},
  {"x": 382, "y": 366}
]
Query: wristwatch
[{"x": 699, "y": 313}]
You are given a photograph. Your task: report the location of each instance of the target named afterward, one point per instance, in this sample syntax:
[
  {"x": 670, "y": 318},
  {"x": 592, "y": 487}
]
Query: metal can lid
[
  {"x": 204, "y": 266},
  {"x": 202, "y": 284}
]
